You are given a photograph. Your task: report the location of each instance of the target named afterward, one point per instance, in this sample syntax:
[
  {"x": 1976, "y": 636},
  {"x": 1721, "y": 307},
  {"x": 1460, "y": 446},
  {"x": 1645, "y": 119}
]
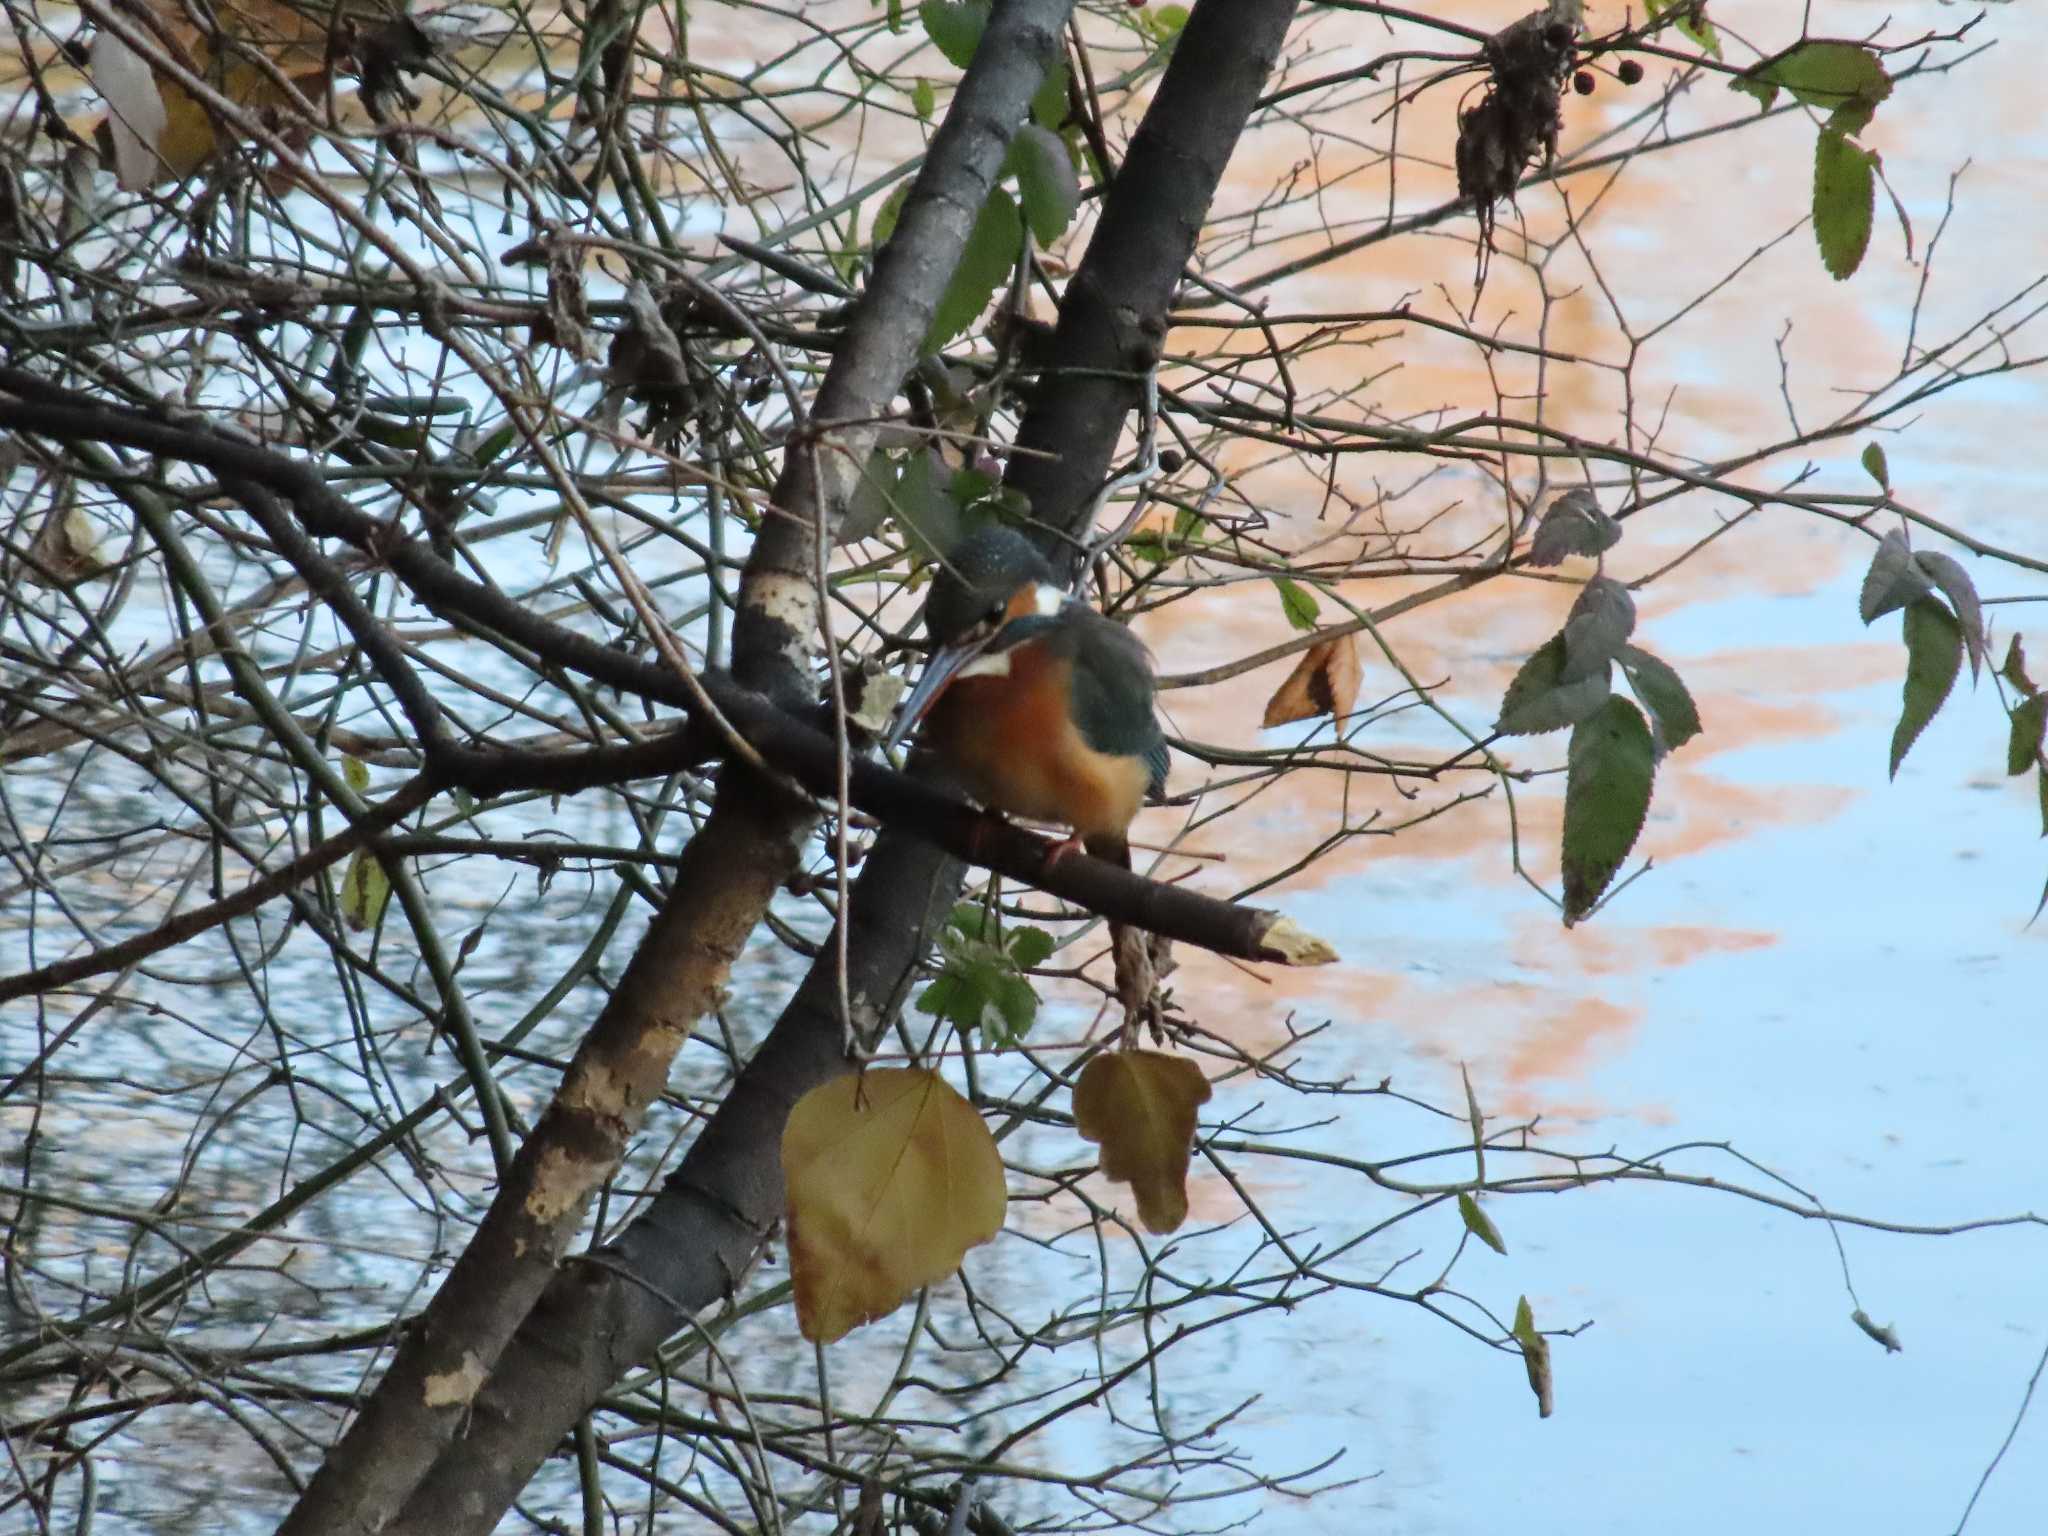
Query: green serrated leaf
[
  {"x": 355, "y": 773},
  {"x": 2023, "y": 747},
  {"x": 1298, "y": 603},
  {"x": 365, "y": 889},
  {"x": 991, "y": 250},
  {"x": 1875, "y": 466},
  {"x": 1844, "y": 197},
  {"x": 1672, "y": 711},
  {"x": 1478, "y": 1223},
  {"x": 1934, "y": 655},
  {"x": 1046, "y": 181},
  {"x": 1609, "y": 769},
  {"x": 947, "y": 998},
  {"x": 955, "y": 27},
  {"x": 1845, "y": 80},
  {"x": 1029, "y": 947},
  {"x": 924, "y": 100},
  {"x": 1540, "y": 699},
  {"x": 2041, "y": 789}
]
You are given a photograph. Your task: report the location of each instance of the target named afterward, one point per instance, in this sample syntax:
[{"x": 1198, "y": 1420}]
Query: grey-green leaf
[
  {"x": 1608, "y": 774},
  {"x": 1573, "y": 524},
  {"x": 1478, "y": 1223},
  {"x": 1673, "y": 715},
  {"x": 1934, "y": 655},
  {"x": 2023, "y": 747},
  {"x": 1045, "y": 180},
  {"x": 1844, "y": 198},
  {"x": 1539, "y": 699},
  {"x": 1596, "y": 629},
  {"x": 1298, "y": 603},
  {"x": 1949, "y": 575},
  {"x": 1893, "y": 580},
  {"x": 992, "y": 248},
  {"x": 1874, "y": 465}
]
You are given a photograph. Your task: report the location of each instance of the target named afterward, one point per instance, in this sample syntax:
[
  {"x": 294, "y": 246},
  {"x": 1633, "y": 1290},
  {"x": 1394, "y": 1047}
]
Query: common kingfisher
[{"x": 1041, "y": 706}]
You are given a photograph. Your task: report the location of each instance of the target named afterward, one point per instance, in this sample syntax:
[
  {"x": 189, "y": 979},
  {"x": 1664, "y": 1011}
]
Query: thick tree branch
[{"x": 706, "y": 1228}]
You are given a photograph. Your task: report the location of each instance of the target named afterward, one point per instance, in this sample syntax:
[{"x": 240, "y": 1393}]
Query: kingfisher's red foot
[{"x": 1061, "y": 849}]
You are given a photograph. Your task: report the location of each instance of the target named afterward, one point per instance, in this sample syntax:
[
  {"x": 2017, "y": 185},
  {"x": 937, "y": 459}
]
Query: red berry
[
  {"x": 1582, "y": 82},
  {"x": 1630, "y": 71}
]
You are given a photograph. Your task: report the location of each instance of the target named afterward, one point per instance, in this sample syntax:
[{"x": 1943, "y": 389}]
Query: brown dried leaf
[
  {"x": 158, "y": 130},
  {"x": 1140, "y": 1107},
  {"x": 890, "y": 1177},
  {"x": 1324, "y": 682}
]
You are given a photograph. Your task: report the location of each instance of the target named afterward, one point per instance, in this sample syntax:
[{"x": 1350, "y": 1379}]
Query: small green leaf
[
  {"x": 887, "y": 215},
  {"x": 1011, "y": 1011},
  {"x": 1045, "y": 181},
  {"x": 1961, "y": 592},
  {"x": 356, "y": 774},
  {"x": 1844, "y": 195},
  {"x": 2041, "y": 789},
  {"x": 1539, "y": 699},
  {"x": 924, "y": 100},
  {"x": 1672, "y": 711},
  {"x": 1573, "y": 524},
  {"x": 2023, "y": 748},
  {"x": 1934, "y": 655},
  {"x": 970, "y": 919},
  {"x": 1608, "y": 772},
  {"x": 1845, "y": 80},
  {"x": 1049, "y": 101},
  {"x": 1893, "y": 580},
  {"x": 1535, "y": 1356},
  {"x": 1478, "y": 1223},
  {"x": 1298, "y": 603},
  {"x": 365, "y": 888},
  {"x": 1029, "y": 947},
  {"x": 991, "y": 250},
  {"x": 1163, "y": 23},
  {"x": 955, "y": 27},
  {"x": 1875, "y": 466},
  {"x": 1692, "y": 22}
]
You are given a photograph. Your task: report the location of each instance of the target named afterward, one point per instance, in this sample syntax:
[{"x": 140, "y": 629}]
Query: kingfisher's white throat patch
[{"x": 1047, "y": 599}]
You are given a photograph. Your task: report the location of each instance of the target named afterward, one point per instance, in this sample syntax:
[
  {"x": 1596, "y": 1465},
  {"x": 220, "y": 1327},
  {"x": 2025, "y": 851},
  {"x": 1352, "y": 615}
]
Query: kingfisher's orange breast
[{"x": 1013, "y": 739}]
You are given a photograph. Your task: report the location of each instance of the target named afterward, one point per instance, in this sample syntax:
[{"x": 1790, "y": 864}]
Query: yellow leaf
[
  {"x": 1140, "y": 1106},
  {"x": 1323, "y": 682},
  {"x": 890, "y": 1177}
]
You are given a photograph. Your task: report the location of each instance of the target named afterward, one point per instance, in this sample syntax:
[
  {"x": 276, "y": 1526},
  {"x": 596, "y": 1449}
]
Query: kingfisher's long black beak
[{"x": 944, "y": 666}]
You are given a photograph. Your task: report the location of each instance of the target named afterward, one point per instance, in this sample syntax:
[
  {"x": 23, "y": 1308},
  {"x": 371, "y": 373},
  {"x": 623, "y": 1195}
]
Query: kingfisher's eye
[{"x": 994, "y": 616}]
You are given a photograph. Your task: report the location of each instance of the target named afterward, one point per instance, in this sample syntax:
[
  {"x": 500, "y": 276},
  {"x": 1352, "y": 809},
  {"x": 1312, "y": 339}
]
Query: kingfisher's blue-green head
[{"x": 993, "y": 592}]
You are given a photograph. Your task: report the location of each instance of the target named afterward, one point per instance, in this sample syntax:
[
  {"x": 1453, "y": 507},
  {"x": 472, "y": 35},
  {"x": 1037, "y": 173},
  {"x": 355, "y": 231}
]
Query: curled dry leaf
[
  {"x": 1139, "y": 1106},
  {"x": 890, "y": 1177},
  {"x": 1324, "y": 682},
  {"x": 158, "y": 131}
]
